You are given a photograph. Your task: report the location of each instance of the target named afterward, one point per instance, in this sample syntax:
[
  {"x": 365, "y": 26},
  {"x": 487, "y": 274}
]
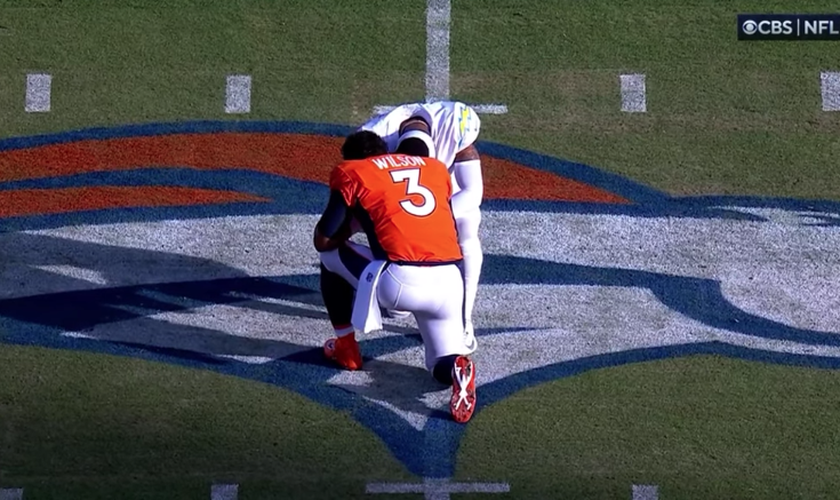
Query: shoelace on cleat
[{"x": 463, "y": 380}]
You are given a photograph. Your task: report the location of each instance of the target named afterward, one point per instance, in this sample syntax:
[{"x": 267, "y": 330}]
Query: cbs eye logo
[
  {"x": 749, "y": 27},
  {"x": 767, "y": 27}
]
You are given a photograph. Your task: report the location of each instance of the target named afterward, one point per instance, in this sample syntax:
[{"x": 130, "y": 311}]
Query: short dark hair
[{"x": 363, "y": 144}]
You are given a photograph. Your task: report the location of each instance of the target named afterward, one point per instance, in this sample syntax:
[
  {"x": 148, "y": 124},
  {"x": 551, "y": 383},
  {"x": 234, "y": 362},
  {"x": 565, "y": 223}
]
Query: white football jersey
[{"x": 454, "y": 126}]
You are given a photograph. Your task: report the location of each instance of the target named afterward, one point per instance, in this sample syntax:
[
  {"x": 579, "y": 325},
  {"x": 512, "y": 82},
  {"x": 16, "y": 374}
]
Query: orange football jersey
[{"x": 407, "y": 200}]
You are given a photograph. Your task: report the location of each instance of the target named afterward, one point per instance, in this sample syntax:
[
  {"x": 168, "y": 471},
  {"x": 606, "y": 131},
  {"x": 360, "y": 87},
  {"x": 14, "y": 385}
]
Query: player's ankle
[
  {"x": 344, "y": 330},
  {"x": 346, "y": 339},
  {"x": 442, "y": 371}
]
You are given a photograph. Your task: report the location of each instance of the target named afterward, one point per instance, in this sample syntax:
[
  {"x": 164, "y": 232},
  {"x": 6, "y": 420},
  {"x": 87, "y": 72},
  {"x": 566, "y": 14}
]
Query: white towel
[{"x": 367, "y": 316}]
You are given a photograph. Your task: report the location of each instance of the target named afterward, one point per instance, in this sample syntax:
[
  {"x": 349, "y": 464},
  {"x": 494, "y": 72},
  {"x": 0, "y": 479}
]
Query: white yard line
[
  {"x": 633, "y": 96},
  {"x": 224, "y": 492},
  {"x": 490, "y": 109},
  {"x": 438, "y": 28},
  {"x": 645, "y": 492},
  {"x": 238, "y": 94},
  {"x": 438, "y": 19},
  {"x": 381, "y": 110},
  {"x": 830, "y": 88},
  {"x": 437, "y": 489},
  {"x": 38, "y": 90},
  {"x": 482, "y": 109},
  {"x": 11, "y": 494}
]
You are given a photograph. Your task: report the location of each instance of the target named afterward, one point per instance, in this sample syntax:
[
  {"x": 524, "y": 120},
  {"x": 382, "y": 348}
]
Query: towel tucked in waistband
[{"x": 367, "y": 316}]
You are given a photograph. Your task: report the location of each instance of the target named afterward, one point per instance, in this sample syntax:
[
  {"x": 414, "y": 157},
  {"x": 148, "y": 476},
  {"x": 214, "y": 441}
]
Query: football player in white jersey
[{"x": 454, "y": 128}]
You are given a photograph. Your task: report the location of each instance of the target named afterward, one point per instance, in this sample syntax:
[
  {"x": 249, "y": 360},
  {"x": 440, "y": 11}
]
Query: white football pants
[{"x": 433, "y": 294}]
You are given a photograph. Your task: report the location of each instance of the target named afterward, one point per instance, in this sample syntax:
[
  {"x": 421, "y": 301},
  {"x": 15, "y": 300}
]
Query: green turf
[
  {"x": 126, "y": 62},
  {"x": 725, "y": 117},
  {"x": 700, "y": 428},
  {"x": 86, "y": 426}
]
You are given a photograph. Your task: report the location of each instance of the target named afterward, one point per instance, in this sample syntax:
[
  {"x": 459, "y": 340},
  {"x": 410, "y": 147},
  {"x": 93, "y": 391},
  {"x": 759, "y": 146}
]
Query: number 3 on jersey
[{"x": 412, "y": 177}]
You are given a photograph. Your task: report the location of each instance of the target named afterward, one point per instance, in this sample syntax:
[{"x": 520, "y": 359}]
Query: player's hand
[{"x": 324, "y": 243}]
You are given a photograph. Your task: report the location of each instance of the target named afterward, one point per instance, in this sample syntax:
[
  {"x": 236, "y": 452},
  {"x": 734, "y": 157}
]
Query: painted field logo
[{"x": 190, "y": 243}]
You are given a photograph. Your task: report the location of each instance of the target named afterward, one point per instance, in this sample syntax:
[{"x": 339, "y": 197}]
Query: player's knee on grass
[
  {"x": 445, "y": 338},
  {"x": 442, "y": 371}
]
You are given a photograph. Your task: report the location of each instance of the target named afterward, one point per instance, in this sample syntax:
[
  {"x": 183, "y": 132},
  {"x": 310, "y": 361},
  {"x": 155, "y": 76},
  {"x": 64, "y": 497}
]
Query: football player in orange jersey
[
  {"x": 454, "y": 128},
  {"x": 414, "y": 262}
]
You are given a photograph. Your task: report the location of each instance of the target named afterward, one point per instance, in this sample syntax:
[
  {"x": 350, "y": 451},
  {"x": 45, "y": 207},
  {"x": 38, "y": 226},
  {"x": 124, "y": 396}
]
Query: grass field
[
  {"x": 706, "y": 427},
  {"x": 724, "y": 118}
]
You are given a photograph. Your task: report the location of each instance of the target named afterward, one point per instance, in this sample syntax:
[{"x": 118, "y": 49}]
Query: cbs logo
[{"x": 774, "y": 27}]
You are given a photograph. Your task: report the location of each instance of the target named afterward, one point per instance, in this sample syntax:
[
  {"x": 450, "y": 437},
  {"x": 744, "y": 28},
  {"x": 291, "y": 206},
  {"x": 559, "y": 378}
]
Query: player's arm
[
  {"x": 467, "y": 154},
  {"x": 467, "y": 171},
  {"x": 332, "y": 229}
]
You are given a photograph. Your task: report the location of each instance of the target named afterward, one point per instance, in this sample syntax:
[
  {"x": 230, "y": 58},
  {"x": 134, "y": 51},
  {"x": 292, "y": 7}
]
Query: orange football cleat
[
  {"x": 462, "y": 404},
  {"x": 344, "y": 351}
]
